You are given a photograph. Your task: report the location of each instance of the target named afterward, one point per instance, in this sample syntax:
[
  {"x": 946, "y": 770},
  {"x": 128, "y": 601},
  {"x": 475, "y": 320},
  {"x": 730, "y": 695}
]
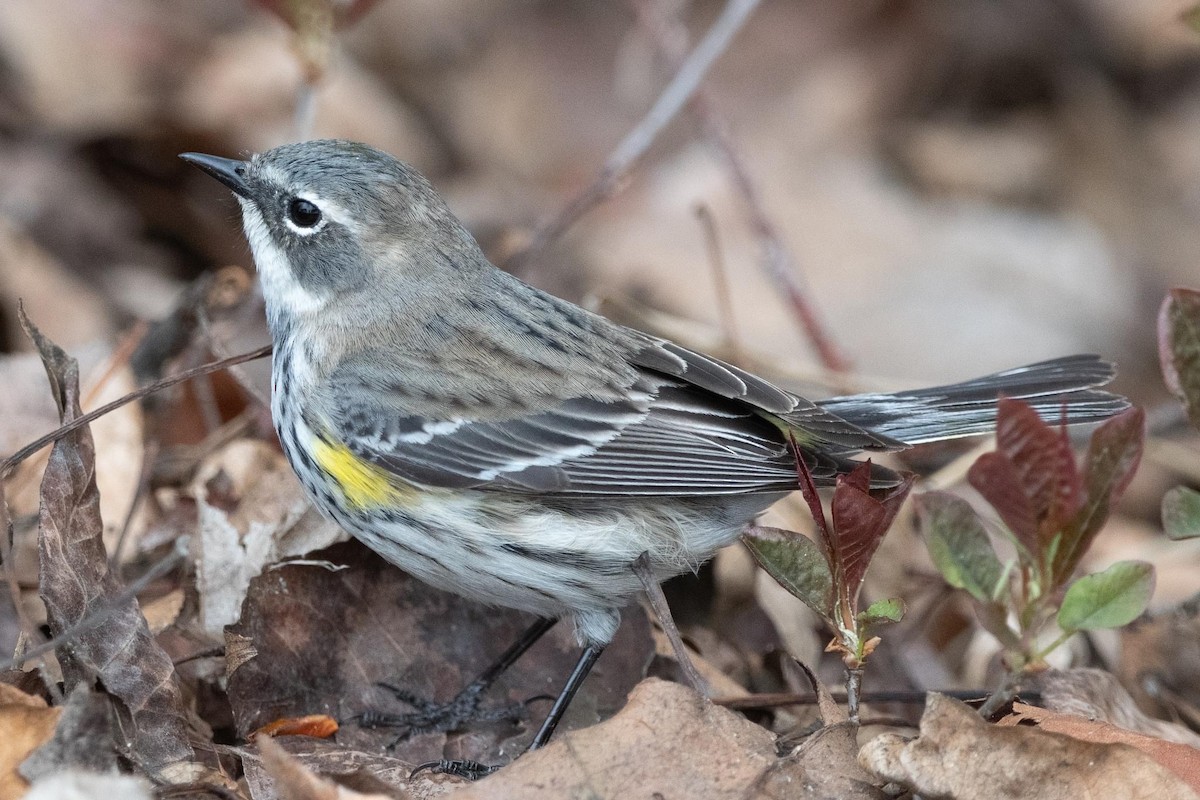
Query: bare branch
[
  {"x": 690, "y": 73},
  {"x": 8, "y": 464},
  {"x": 671, "y": 38}
]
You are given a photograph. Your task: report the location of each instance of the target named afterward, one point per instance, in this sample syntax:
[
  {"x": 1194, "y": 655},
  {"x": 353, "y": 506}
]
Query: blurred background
[
  {"x": 958, "y": 186},
  {"x": 963, "y": 185}
]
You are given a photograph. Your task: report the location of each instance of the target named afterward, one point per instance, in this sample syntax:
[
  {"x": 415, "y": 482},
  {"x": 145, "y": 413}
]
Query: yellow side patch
[{"x": 362, "y": 483}]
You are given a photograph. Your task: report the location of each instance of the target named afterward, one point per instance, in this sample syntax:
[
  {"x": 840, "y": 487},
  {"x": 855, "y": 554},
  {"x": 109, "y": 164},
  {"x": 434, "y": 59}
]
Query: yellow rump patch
[{"x": 363, "y": 484}]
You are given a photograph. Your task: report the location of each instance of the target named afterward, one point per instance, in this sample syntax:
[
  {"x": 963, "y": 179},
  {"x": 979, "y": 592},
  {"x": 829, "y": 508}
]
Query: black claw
[{"x": 462, "y": 768}]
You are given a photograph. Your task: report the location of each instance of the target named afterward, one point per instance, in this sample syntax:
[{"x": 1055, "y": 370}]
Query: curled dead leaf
[{"x": 959, "y": 756}]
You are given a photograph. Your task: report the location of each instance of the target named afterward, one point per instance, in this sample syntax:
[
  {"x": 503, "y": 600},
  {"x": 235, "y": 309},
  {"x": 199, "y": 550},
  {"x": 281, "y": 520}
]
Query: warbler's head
[{"x": 332, "y": 218}]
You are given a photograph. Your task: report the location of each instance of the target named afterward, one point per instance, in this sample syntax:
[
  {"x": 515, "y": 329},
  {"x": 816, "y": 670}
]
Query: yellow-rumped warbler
[{"x": 501, "y": 443}]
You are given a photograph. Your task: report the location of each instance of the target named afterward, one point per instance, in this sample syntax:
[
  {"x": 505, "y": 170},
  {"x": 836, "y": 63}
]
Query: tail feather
[{"x": 969, "y": 408}]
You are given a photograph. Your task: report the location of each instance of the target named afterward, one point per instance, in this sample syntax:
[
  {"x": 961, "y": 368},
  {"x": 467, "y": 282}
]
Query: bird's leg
[
  {"x": 431, "y": 716},
  {"x": 473, "y": 770}
]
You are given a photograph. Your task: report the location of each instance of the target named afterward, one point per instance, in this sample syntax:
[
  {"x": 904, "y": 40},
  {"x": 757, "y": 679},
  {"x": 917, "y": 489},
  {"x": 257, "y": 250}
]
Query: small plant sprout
[
  {"x": 1052, "y": 508},
  {"x": 1179, "y": 354},
  {"x": 827, "y": 574}
]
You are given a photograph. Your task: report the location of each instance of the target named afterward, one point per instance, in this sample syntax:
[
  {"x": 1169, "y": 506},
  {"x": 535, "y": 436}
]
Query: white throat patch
[{"x": 281, "y": 290}]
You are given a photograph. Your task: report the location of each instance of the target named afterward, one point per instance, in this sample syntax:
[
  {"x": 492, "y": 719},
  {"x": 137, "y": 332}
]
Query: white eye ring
[{"x": 304, "y": 216}]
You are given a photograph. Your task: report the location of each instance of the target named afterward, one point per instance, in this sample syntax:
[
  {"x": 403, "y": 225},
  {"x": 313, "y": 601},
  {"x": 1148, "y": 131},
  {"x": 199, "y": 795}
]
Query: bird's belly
[{"x": 550, "y": 556}]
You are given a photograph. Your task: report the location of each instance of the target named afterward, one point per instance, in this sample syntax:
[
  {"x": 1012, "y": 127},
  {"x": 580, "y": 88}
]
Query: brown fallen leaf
[
  {"x": 825, "y": 762},
  {"x": 826, "y": 766},
  {"x": 300, "y": 768},
  {"x": 75, "y": 584},
  {"x": 1160, "y": 661},
  {"x": 667, "y": 742},
  {"x": 294, "y": 781},
  {"x": 1098, "y": 696},
  {"x": 252, "y": 512},
  {"x": 27, "y": 724},
  {"x": 1181, "y": 759},
  {"x": 318, "y": 726},
  {"x": 319, "y": 637},
  {"x": 960, "y": 757}
]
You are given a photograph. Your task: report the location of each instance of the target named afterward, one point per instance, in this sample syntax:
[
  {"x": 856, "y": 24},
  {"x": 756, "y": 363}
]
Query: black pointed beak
[{"x": 228, "y": 171}]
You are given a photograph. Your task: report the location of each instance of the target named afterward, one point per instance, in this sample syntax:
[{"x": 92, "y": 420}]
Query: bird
[{"x": 499, "y": 442}]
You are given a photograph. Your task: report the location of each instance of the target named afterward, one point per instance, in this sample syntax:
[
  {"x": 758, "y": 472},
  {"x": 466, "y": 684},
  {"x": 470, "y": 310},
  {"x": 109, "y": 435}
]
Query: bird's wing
[
  {"x": 811, "y": 424},
  {"x": 701, "y": 433}
]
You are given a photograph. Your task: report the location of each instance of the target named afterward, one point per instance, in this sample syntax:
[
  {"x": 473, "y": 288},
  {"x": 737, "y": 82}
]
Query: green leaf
[
  {"x": 890, "y": 610},
  {"x": 1108, "y": 599},
  {"x": 796, "y": 563},
  {"x": 1181, "y": 513},
  {"x": 958, "y": 544},
  {"x": 1179, "y": 347}
]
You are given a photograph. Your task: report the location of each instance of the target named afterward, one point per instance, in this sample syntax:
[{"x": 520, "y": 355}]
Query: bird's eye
[{"x": 303, "y": 213}]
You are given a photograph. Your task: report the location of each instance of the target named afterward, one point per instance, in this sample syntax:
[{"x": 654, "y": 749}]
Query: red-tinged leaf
[
  {"x": 1044, "y": 461},
  {"x": 75, "y": 585},
  {"x": 859, "y": 523},
  {"x": 1112, "y": 459},
  {"x": 1179, "y": 347},
  {"x": 808, "y": 490},
  {"x": 996, "y": 478}
]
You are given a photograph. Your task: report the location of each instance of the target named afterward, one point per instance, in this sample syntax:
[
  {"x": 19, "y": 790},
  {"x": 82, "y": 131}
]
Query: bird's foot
[
  {"x": 429, "y": 716},
  {"x": 463, "y": 768}
]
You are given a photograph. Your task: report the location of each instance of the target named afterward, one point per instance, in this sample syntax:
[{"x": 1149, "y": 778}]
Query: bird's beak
[{"x": 228, "y": 171}]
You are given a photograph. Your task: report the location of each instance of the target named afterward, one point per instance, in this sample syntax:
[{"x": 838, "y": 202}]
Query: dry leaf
[
  {"x": 294, "y": 781},
  {"x": 826, "y": 765},
  {"x": 81, "y": 785},
  {"x": 641, "y": 753},
  {"x": 1181, "y": 759},
  {"x": 162, "y": 612},
  {"x": 1098, "y": 696},
  {"x": 276, "y": 767},
  {"x": 316, "y": 641},
  {"x": 317, "y": 726},
  {"x": 27, "y": 724},
  {"x": 959, "y": 756},
  {"x": 75, "y": 584},
  {"x": 256, "y": 513}
]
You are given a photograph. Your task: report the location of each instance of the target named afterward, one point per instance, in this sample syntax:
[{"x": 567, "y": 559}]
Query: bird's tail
[{"x": 969, "y": 408}]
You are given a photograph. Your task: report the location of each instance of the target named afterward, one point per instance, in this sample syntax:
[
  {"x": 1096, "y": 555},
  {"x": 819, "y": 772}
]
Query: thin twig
[
  {"x": 120, "y": 357},
  {"x": 164, "y": 565},
  {"x": 149, "y": 456},
  {"x": 854, "y": 676},
  {"x": 716, "y": 257},
  {"x": 691, "y": 72},
  {"x": 1004, "y": 694},
  {"x": 781, "y": 699},
  {"x": 7, "y": 465},
  {"x": 671, "y": 38}
]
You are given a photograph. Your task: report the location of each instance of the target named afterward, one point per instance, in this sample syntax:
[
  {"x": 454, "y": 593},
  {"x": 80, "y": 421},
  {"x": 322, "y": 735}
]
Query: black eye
[{"x": 303, "y": 214}]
